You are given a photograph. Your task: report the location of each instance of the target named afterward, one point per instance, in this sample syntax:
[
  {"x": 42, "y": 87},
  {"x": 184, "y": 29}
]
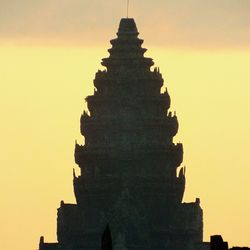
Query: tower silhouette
[{"x": 131, "y": 177}]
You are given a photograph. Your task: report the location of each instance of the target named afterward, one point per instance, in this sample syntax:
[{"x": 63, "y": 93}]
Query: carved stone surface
[{"x": 131, "y": 177}]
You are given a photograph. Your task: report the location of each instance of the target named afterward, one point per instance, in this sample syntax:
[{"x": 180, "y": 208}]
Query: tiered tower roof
[{"x": 131, "y": 175}]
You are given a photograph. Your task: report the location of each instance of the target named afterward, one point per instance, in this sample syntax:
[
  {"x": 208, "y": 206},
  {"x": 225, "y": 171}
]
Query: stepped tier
[
  {"x": 113, "y": 105},
  {"x": 115, "y": 132},
  {"x": 170, "y": 156},
  {"x": 106, "y": 189},
  {"x": 138, "y": 81}
]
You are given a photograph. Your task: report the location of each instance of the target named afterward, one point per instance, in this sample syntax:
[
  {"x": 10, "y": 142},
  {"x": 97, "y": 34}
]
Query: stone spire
[
  {"x": 126, "y": 48},
  {"x": 129, "y": 162}
]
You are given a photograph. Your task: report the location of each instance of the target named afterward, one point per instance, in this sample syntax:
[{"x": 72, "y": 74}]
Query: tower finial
[{"x": 127, "y": 7}]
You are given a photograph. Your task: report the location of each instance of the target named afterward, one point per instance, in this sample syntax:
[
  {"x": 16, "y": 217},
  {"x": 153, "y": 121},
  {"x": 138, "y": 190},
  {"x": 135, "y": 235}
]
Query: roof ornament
[{"x": 127, "y": 7}]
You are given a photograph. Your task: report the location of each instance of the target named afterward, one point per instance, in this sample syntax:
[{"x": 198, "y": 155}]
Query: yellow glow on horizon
[{"x": 42, "y": 98}]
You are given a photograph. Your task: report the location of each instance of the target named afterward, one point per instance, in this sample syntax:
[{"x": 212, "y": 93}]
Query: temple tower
[{"x": 131, "y": 175}]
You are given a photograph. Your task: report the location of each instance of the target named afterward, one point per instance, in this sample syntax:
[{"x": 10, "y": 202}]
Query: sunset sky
[{"x": 49, "y": 53}]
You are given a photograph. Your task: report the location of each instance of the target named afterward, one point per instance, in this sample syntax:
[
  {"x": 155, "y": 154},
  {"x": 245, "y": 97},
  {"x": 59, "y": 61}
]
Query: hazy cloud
[{"x": 178, "y": 23}]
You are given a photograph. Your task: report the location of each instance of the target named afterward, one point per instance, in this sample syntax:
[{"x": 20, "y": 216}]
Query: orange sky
[{"x": 43, "y": 87}]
